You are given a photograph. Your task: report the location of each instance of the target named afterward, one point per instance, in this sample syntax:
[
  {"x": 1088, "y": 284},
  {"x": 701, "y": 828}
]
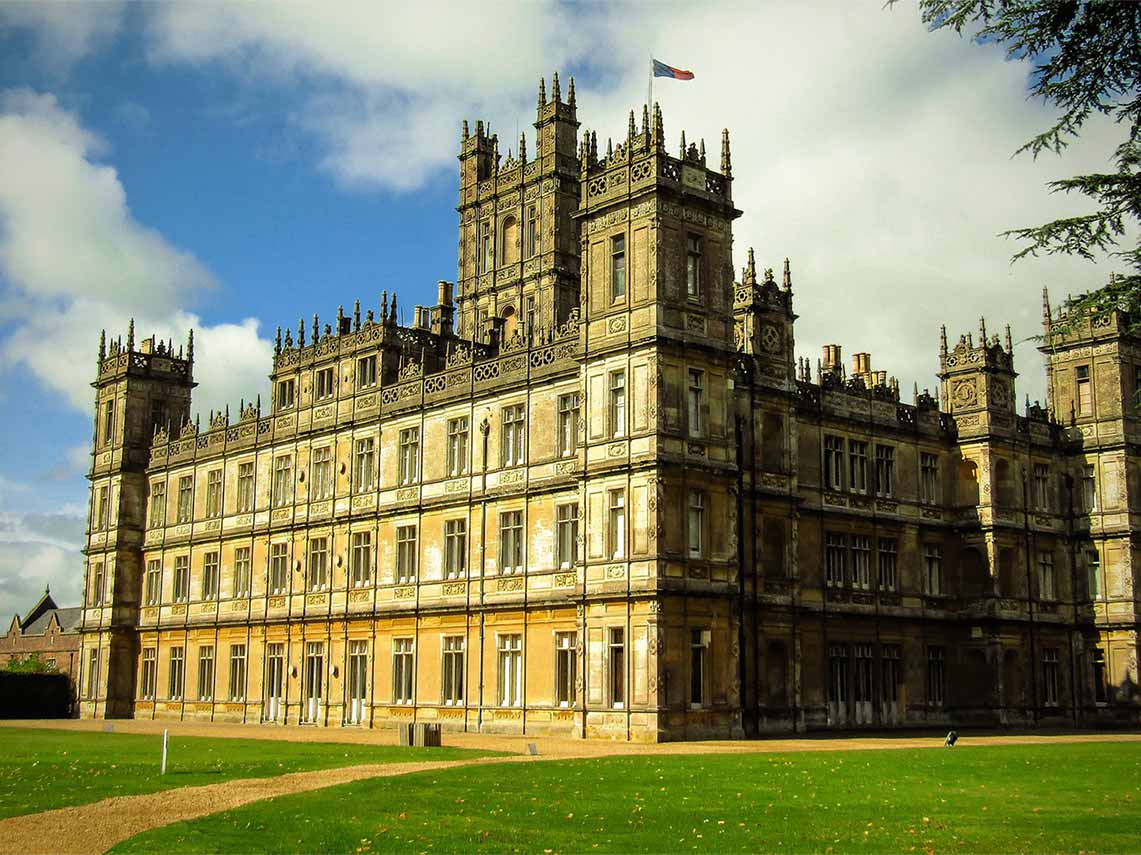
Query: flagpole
[{"x": 650, "y": 89}]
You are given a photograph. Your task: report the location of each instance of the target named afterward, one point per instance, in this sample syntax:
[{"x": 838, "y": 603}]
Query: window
[
  {"x": 361, "y": 558},
  {"x": 282, "y": 481},
  {"x": 453, "y": 670},
  {"x": 322, "y": 477},
  {"x": 154, "y": 582},
  {"x": 243, "y": 571},
  {"x": 358, "y": 680},
  {"x": 181, "y": 578},
  {"x": 278, "y": 567},
  {"x": 566, "y": 664},
  {"x": 1047, "y": 589},
  {"x": 237, "y": 672},
  {"x": 406, "y": 553},
  {"x": 1041, "y": 486},
  {"x": 698, "y": 659},
  {"x": 1093, "y": 563},
  {"x": 617, "y": 268},
  {"x": 696, "y": 402},
  {"x": 862, "y": 677},
  {"x": 487, "y": 259},
  {"x": 892, "y": 671},
  {"x": 1100, "y": 695},
  {"x": 318, "y": 564},
  {"x": 617, "y": 666},
  {"x": 366, "y": 372},
  {"x": 93, "y": 673},
  {"x": 885, "y": 470},
  {"x": 928, "y": 478},
  {"x": 455, "y": 549},
  {"x": 245, "y": 487},
  {"x": 98, "y": 584},
  {"x": 403, "y": 672},
  {"x": 936, "y": 676},
  {"x": 617, "y": 409},
  {"x": 693, "y": 267},
  {"x": 532, "y": 234},
  {"x": 457, "y": 446},
  {"x": 185, "y": 498},
  {"x": 102, "y": 517},
  {"x": 514, "y": 431},
  {"x": 833, "y": 463},
  {"x": 157, "y": 514},
  {"x": 158, "y": 415},
  {"x": 206, "y": 673},
  {"x": 285, "y": 394},
  {"x": 933, "y": 569},
  {"x": 568, "y": 425},
  {"x": 108, "y": 422},
  {"x": 364, "y": 465},
  {"x": 214, "y": 493},
  {"x": 887, "y": 556},
  {"x": 510, "y": 655},
  {"x": 511, "y": 542},
  {"x": 529, "y": 315},
  {"x": 1089, "y": 489},
  {"x": 1051, "y": 677},
  {"x": 324, "y": 383},
  {"x": 210, "y": 576},
  {"x": 1085, "y": 399},
  {"x": 150, "y": 674},
  {"x": 835, "y": 558},
  {"x": 176, "y": 680},
  {"x": 616, "y": 532},
  {"x": 861, "y": 561},
  {"x": 409, "y": 455},
  {"x": 696, "y": 523},
  {"x": 838, "y": 673},
  {"x": 567, "y": 544},
  {"x": 857, "y": 465}
]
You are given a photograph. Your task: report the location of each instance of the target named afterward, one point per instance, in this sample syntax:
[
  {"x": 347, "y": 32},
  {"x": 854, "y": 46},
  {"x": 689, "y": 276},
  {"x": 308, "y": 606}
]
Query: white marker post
[{"x": 164, "y": 735}]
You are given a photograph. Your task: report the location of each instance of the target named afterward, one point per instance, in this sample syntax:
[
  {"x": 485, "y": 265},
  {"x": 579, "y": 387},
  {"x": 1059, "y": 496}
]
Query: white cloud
[
  {"x": 36, "y": 550},
  {"x": 66, "y": 31}
]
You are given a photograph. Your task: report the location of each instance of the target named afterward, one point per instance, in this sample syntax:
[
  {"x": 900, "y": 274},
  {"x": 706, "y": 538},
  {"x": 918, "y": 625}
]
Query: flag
[{"x": 663, "y": 70}]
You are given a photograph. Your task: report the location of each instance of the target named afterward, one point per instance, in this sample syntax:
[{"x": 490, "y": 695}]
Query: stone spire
[
  {"x": 1007, "y": 341},
  {"x": 1045, "y": 308},
  {"x": 464, "y": 136},
  {"x": 102, "y": 345},
  {"x": 943, "y": 340},
  {"x": 630, "y": 131},
  {"x": 340, "y": 319},
  {"x": 131, "y": 335},
  {"x": 570, "y": 93},
  {"x": 701, "y": 150},
  {"x": 726, "y": 160},
  {"x": 556, "y": 94},
  {"x": 190, "y": 345},
  {"x": 982, "y": 331},
  {"x": 522, "y": 148},
  {"x": 277, "y": 343},
  {"x": 681, "y": 151},
  {"x": 646, "y": 121},
  {"x": 301, "y": 332},
  {"x": 750, "y": 276},
  {"x": 356, "y": 315},
  {"x": 316, "y": 329},
  {"x": 542, "y": 93}
]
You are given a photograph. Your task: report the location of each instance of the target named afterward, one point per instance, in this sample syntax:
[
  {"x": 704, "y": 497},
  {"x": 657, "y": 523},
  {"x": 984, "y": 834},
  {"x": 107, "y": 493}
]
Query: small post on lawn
[{"x": 164, "y": 735}]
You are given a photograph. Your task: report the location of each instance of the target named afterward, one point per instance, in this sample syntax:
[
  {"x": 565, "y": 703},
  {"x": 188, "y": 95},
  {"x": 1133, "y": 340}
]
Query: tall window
[
  {"x": 529, "y": 315},
  {"x": 92, "y": 673},
  {"x": 453, "y": 670},
  {"x": 532, "y": 235},
  {"x": 149, "y": 674},
  {"x": 929, "y": 477},
  {"x": 835, "y": 558},
  {"x": 617, "y": 409},
  {"x": 210, "y": 576},
  {"x": 98, "y": 584},
  {"x": 285, "y": 394},
  {"x": 891, "y": 661},
  {"x": 185, "y": 498},
  {"x": 885, "y": 470},
  {"x": 1085, "y": 396},
  {"x": 214, "y": 493},
  {"x": 510, "y": 650},
  {"x": 403, "y": 670},
  {"x": 181, "y": 578},
  {"x": 838, "y": 673},
  {"x": 176, "y": 679},
  {"x": 361, "y": 558},
  {"x": 157, "y": 514},
  {"x": 566, "y": 663},
  {"x": 693, "y": 267},
  {"x": 1051, "y": 677},
  {"x": 616, "y": 661},
  {"x": 366, "y": 372},
  {"x": 695, "y": 525},
  {"x": 696, "y": 402},
  {"x": 1089, "y": 489},
  {"x": 568, "y": 424},
  {"x": 322, "y": 473},
  {"x": 278, "y": 567},
  {"x": 102, "y": 517},
  {"x": 358, "y": 680},
  {"x": 154, "y": 582},
  {"x": 282, "y": 481},
  {"x": 833, "y": 463},
  {"x": 1100, "y": 695},
  {"x": 206, "y": 673},
  {"x": 409, "y": 455},
  {"x": 364, "y": 465},
  {"x": 857, "y": 465},
  {"x": 862, "y": 674},
  {"x": 933, "y": 569},
  {"x": 936, "y": 676},
  {"x": 486, "y": 256},
  {"x": 455, "y": 549},
  {"x": 567, "y": 543},
  {"x": 1041, "y": 486},
  {"x": 514, "y": 432},
  {"x": 245, "y": 487},
  {"x": 406, "y": 553},
  {"x": 616, "y": 531},
  {"x": 237, "y": 672},
  {"x": 1047, "y": 587},
  {"x": 887, "y": 556},
  {"x": 318, "y": 564},
  {"x": 108, "y": 422},
  {"x": 457, "y": 446},
  {"x": 1093, "y": 564},
  {"x": 861, "y": 561},
  {"x": 617, "y": 268},
  {"x": 511, "y": 542},
  {"x": 324, "y": 383},
  {"x": 698, "y": 665},
  {"x": 243, "y": 571}
]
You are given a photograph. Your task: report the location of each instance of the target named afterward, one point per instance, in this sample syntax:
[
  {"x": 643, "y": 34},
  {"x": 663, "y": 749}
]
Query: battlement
[
  {"x": 1062, "y": 328},
  {"x": 764, "y": 292},
  {"x": 153, "y": 358},
  {"x": 967, "y": 356}
]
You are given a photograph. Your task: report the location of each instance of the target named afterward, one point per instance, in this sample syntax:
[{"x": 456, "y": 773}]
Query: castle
[{"x": 593, "y": 492}]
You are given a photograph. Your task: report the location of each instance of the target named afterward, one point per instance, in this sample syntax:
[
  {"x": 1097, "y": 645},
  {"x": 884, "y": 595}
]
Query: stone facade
[{"x": 592, "y": 491}]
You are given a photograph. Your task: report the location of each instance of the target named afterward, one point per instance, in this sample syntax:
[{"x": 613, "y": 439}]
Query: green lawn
[
  {"x": 968, "y": 799},
  {"x": 44, "y": 769}
]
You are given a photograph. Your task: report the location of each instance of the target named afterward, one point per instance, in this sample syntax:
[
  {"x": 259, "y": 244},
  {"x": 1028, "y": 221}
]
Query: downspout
[
  {"x": 1030, "y": 597},
  {"x": 484, "y": 430}
]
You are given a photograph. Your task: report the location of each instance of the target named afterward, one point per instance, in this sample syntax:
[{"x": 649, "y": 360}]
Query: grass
[
  {"x": 968, "y": 799},
  {"x": 45, "y": 769}
]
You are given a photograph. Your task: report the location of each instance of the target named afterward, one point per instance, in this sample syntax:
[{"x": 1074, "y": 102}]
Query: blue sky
[{"x": 236, "y": 166}]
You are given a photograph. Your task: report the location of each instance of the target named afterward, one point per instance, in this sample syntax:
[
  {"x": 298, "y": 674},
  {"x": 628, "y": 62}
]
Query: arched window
[
  {"x": 968, "y": 484},
  {"x": 510, "y": 242},
  {"x": 510, "y": 322}
]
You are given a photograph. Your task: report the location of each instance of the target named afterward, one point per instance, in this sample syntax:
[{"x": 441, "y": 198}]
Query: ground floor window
[
  {"x": 314, "y": 680},
  {"x": 510, "y": 650},
  {"x": 892, "y": 668},
  {"x": 936, "y": 676},
  {"x": 274, "y": 680},
  {"x": 698, "y": 666},
  {"x": 1099, "y": 689},
  {"x": 566, "y": 662},
  {"x": 862, "y": 683},
  {"x": 147, "y": 679},
  {"x": 453, "y": 670},
  {"x": 617, "y": 663},
  {"x": 237, "y": 672},
  {"x": 177, "y": 677},
  {"x": 92, "y": 673},
  {"x": 205, "y": 673},
  {"x": 358, "y": 680},
  {"x": 1051, "y": 677},
  {"x": 402, "y": 670},
  {"x": 838, "y": 673}
]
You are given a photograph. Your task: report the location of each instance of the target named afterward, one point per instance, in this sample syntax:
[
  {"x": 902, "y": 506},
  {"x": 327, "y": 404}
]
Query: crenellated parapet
[{"x": 152, "y": 358}]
